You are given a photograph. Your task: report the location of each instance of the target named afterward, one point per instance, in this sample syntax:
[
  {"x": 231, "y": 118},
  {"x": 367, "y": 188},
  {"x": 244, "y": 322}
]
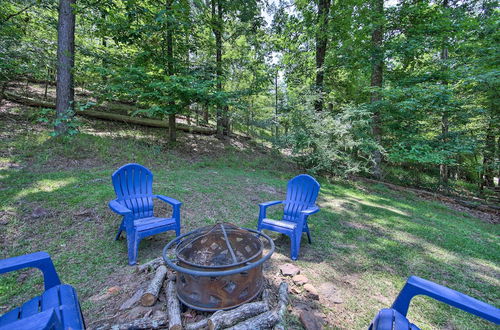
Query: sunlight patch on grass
[{"x": 45, "y": 185}]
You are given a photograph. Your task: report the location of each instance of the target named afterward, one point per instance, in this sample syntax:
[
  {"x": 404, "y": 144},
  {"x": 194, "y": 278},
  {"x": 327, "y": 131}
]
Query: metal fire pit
[{"x": 218, "y": 267}]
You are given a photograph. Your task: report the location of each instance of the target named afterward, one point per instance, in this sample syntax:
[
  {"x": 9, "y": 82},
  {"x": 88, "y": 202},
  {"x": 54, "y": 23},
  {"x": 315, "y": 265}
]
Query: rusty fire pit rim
[
  {"x": 202, "y": 233},
  {"x": 172, "y": 262}
]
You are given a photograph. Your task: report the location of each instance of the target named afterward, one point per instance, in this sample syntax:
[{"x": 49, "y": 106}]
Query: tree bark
[
  {"x": 173, "y": 307},
  {"x": 489, "y": 156},
  {"x": 172, "y": 136},
  {"x": 150, "y": 296},
  {"x": 443, "y": 168},
  {"x": 65, "y": 93},
  {"x": 321, "y": 45},
  {"x": 217, "y": 30},
  {"x": 377, "y": 81}
]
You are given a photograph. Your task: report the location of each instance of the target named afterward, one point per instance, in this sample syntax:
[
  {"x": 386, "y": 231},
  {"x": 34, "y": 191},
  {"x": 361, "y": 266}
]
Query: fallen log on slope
[{"x": 111, "y": 116}]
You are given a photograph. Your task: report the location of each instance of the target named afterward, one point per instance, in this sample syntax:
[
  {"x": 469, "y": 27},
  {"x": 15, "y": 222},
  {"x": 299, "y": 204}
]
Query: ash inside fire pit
[
  {"x": 218, "y": 267},
  {"x": 219, "y": 245}
]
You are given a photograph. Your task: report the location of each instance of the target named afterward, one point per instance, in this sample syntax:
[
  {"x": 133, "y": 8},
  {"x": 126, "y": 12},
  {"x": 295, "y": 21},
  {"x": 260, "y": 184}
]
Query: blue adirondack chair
[
  {"x": 57, "y": 308},
  {"x": 133, "y": 185},
  {"x": 394, "y": 318},
  {"x": 301, "y": 195}
]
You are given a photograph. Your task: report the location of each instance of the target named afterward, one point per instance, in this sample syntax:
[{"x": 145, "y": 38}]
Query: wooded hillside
[{"x": 405, "y": 91}]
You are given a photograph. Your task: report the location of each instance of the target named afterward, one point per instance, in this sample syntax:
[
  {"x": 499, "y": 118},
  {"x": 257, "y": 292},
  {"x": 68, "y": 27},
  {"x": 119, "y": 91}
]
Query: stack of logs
[{"x": 253, "y": 315}]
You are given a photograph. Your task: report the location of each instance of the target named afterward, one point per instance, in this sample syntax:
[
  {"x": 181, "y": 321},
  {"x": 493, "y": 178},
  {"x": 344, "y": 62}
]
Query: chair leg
[
  {"x": 119, "y": 231},
  {"x": 295, "y": 242},
  {"x": 308, "y": 234},
  {"x": 133, "y": 248}
]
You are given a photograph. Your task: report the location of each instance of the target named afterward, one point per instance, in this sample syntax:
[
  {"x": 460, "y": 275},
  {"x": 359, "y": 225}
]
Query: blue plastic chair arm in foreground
[
  {"x": 57, "y": 307},
  {"x": 395, "y": 317},
  {"x": 40, "y": 260}
]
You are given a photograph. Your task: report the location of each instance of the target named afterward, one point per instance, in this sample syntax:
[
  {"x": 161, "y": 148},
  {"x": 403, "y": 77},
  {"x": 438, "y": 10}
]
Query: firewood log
[
  {"x": 144, "y": 323},
  {"x": 173, "y": 307},
  {"x": 153, "y": 264},
  {"x": 132, "y": 300},
  {"x": 151, "y": 294},
  {"x": 196, "y": 325},
  {"x": 225, "y": 319},
  {"x": 268, "y": 319}
]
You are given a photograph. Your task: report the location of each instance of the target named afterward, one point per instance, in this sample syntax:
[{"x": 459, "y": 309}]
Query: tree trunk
[
  {"x": 443, "y": 168},
  {"x": 321, "y": 45},
  {"x": 172, "y": 133},
  {"x": 276, "y": 127},
  {"x": 65, "y": 93},
  {"x": 489, "y": 157},
  {"x": 217, "y": 30},
  {"x": 377, "y": 58}
]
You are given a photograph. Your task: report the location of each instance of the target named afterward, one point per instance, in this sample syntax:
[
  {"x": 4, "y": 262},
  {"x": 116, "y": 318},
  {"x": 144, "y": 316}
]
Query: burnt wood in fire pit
[{"x": 218, "y": 267}]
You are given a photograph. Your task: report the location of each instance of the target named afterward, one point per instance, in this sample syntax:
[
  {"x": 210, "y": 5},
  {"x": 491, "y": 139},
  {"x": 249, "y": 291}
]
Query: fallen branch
[
  {"x": 151, "y": 294},
  {"x": 153, "y": 264},
  {"x": 173, "y": 307},
  {"x": 226, "y": 319},
  {"x": 111, "y": 116}
]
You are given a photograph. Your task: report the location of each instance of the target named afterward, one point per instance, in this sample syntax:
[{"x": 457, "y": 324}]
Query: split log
[
  {"x": 268, "y": 319},
  {"x": 132, "y": 300},
  {"x": 196, "y": 325},
  {"x": 226, "y": 319},
  {"x": 111, "y": 116},
  {"x": 262, "y": 321},
  {"x": 173, "y": 307},
  {"x": 151, "y": 294},
  {"x": 144, "y": 323},
  {"x": 153, "y": 264},
  {"x": 265, "y": 296}
]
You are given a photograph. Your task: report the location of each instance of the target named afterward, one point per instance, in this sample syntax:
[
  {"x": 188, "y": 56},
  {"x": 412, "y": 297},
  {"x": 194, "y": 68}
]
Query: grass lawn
[{"x": 367, "y": 239}]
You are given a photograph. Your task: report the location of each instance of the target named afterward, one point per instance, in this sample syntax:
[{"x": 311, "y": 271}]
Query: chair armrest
[
  {"x": 264, "y": 206},
  {"x": 309, "y": 211},
  {"x": 40, "y": 260},
  {"x": 43, "y": 320},
  {"x": 267, "y": 204},
  {"x": 119, "y": 208},
  {"x": 418, "y": 286},
  {"x": 172, "y": 201}
]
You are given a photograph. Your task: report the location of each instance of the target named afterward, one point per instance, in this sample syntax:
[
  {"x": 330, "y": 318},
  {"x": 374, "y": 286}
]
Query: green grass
[{"x": 367, "y": 238}]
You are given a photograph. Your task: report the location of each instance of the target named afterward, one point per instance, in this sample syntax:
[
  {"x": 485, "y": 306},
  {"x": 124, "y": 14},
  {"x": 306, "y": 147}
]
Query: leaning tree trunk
[
  {"x": 321, "y": 45},
  {"x": 376, "y": 82},
  {"x": 65, "y": 93}
]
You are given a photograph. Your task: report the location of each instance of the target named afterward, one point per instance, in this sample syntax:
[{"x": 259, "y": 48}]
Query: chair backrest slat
[
  {"x": 133, "y": 184},
  {"x": 302, "y": 192}
]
